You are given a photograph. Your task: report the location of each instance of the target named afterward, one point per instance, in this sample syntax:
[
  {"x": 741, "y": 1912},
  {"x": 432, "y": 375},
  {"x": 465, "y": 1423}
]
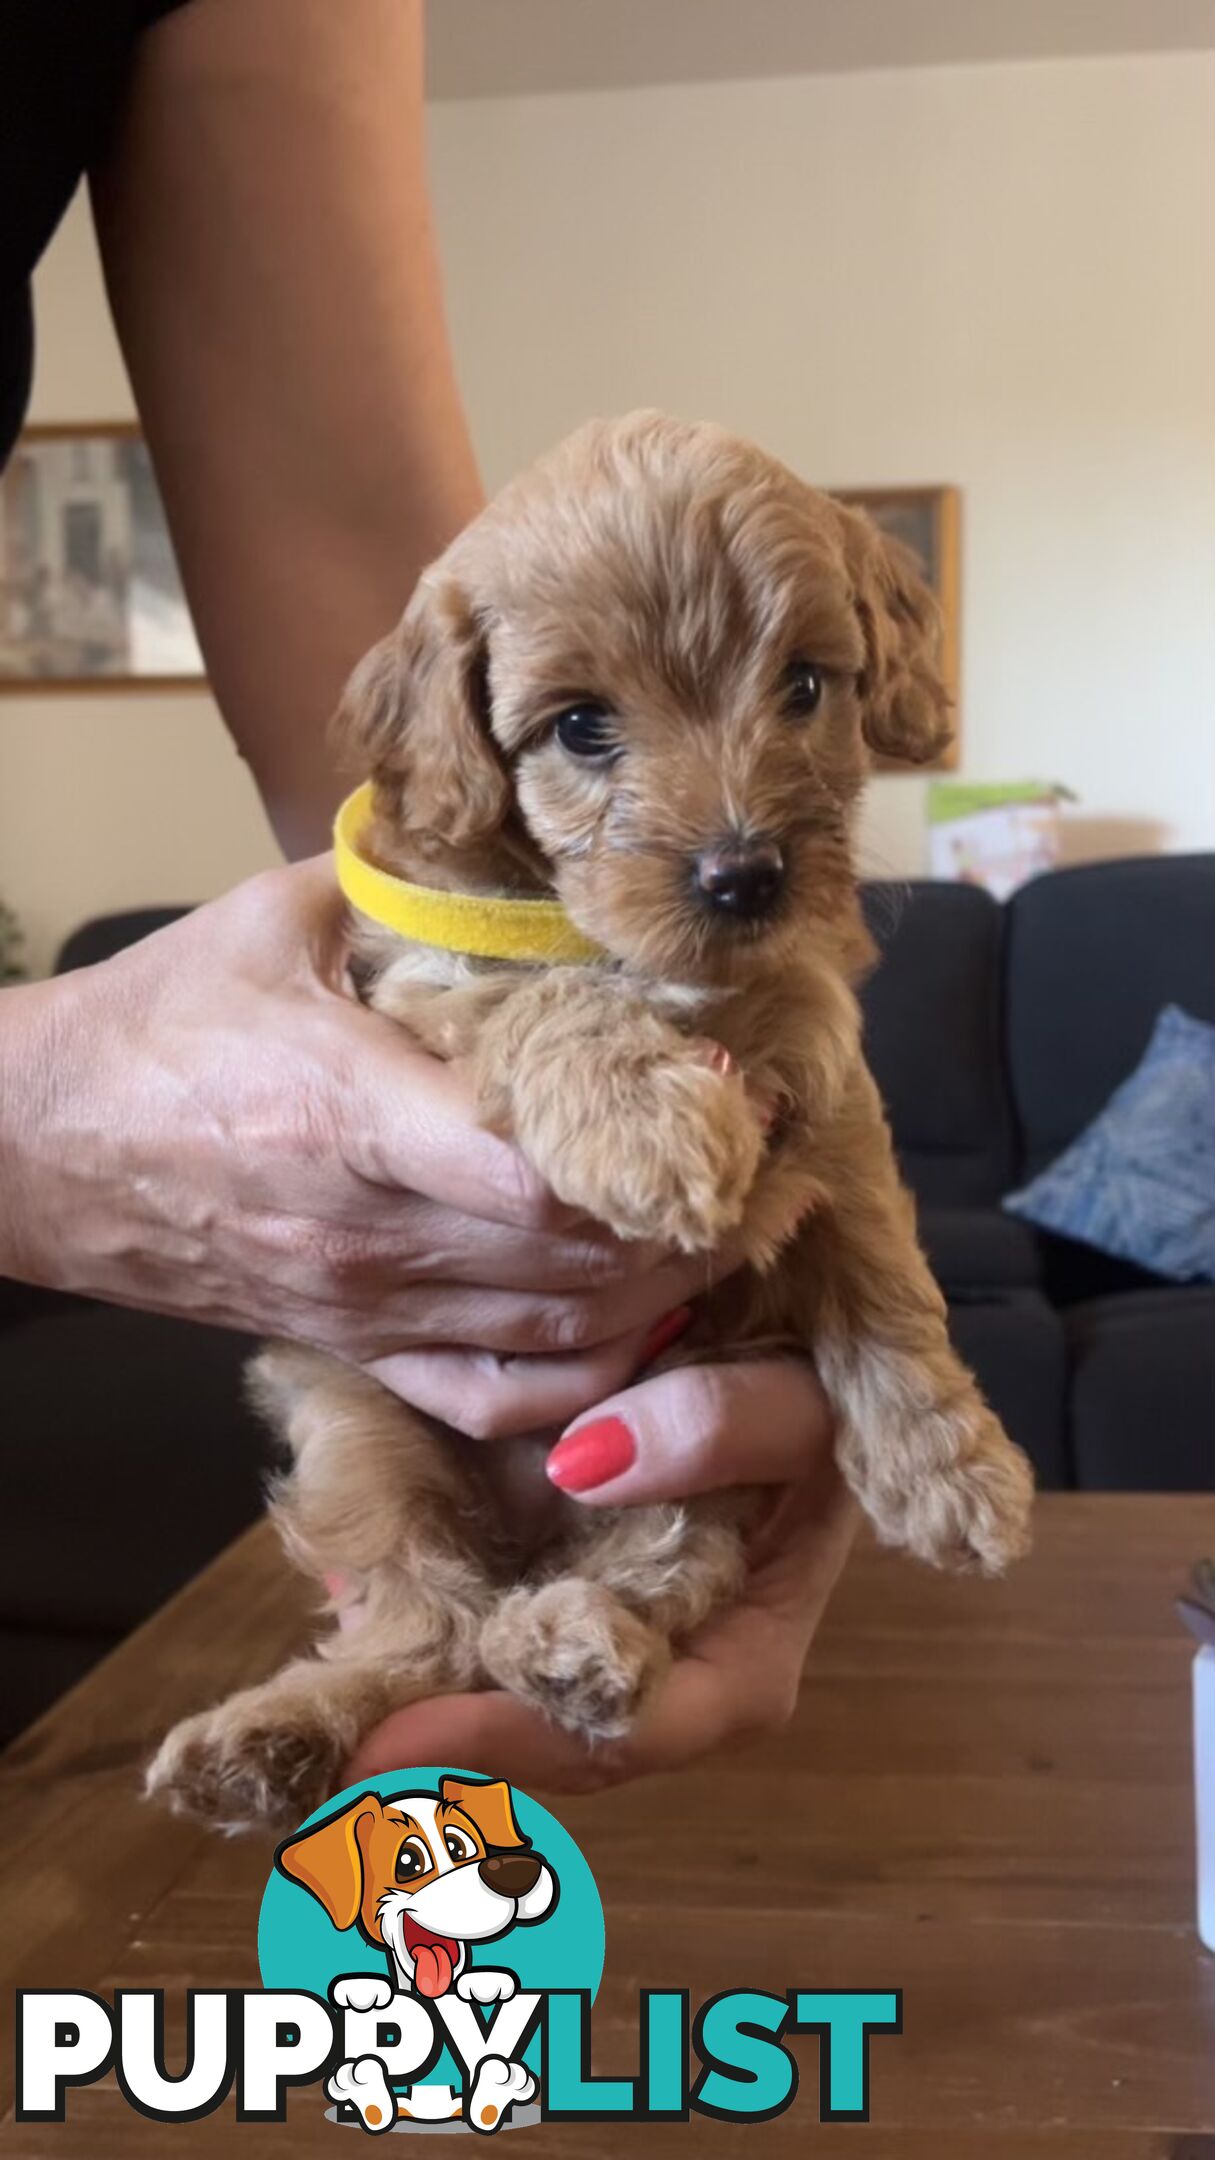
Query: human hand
[
  {"x": 209, "y": 1125},
  {"x": 694, "y": 1429}
]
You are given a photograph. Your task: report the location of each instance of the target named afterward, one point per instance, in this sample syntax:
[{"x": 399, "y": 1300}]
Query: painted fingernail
[
  {"x": 591, "y": 1456},
  {"x": 664, "y": 1333}
]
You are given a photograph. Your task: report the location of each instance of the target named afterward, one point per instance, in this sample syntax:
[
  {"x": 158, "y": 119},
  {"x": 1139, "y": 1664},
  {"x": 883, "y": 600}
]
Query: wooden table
[{"x": 984, "y": 1799}]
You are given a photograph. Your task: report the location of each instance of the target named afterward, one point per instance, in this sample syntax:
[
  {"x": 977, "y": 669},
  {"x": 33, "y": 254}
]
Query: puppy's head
[
  {"x": 424, "y": 1873},
  {"x": 647, "y": 677}
]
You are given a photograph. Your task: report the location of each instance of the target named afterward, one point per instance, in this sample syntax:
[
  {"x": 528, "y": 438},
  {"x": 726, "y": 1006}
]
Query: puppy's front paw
[
  {"x": 671, "y": 1157},
  {"x": 575, "y": 1651},
  {"x": 242, "y": 1767}
]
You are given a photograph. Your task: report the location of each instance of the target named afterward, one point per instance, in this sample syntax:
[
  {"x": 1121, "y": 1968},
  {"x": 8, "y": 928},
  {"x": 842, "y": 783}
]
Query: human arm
[
  {"x": 266, "y": 235},
  {"x": 209, "y": 1125}
]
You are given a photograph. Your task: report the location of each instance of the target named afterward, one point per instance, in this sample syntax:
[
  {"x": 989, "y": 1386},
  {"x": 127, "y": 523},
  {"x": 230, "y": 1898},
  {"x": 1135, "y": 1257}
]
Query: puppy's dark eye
[
  {"x": 803, "y": 688},
  {"x": 585, "y": 730},
  {"x": 458, "y": 1846},
  {"x": 413, "y": 1859}
]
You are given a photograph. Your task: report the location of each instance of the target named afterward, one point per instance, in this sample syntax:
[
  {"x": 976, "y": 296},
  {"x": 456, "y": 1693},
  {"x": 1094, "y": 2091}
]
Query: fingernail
[
  {"x": 664, "y": 1333},
  {"x": 591, "y": 1456}
]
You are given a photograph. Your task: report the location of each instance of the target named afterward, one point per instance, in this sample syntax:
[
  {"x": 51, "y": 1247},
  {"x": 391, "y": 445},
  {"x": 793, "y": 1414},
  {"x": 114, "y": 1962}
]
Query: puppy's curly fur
[{"x": 674, "y": 577}]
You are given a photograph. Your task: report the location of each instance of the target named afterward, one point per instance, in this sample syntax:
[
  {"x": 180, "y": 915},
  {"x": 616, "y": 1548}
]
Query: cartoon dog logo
[{"x": 425, "y": 1875}]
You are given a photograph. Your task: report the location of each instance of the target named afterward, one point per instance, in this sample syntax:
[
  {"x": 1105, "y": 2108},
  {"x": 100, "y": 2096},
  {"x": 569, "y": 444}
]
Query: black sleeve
[{"x": 62, "y": 64}]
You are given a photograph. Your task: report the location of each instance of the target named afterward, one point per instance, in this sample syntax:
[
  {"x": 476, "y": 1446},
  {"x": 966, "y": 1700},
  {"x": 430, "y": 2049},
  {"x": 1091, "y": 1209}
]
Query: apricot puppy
[{"x": 647, "y": 680}]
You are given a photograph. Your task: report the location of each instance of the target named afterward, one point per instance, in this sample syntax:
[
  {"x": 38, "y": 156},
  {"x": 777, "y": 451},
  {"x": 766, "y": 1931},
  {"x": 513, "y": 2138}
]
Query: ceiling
[{"x": 502, "y": 48}]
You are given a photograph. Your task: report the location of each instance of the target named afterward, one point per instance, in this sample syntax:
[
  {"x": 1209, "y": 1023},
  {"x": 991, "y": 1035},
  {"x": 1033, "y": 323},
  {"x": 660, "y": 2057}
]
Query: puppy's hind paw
[
  {"x": 965, "y": 1506},
  {"x": 577, "y": 1653},
  {"x": 238, "y": 1767},
  {"x": 991, "y": 1498}
]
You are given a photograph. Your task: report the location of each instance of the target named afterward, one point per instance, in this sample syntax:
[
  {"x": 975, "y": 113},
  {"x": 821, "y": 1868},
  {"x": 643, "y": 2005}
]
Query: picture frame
[
  {"x": 928, "y": 520},
  {"x": 90, "y": 594}
]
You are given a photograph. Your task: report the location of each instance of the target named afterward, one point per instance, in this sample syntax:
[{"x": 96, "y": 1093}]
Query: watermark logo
[
  {"x": 431, "y": 1945},
  {"x": 435, "y": 1912}
]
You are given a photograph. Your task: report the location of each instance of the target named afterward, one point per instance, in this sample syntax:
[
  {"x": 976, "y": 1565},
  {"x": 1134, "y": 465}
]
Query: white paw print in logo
[
  {"x": 363, "y": 2085},
  {"x": 498, "y": 2085}
]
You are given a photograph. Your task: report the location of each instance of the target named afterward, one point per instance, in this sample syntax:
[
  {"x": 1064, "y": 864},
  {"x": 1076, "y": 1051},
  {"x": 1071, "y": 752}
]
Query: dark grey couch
[{"x": 995, "y": 1034}]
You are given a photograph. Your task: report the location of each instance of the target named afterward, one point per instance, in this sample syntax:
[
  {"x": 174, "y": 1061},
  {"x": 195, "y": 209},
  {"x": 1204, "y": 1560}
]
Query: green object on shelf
[{"x": 949, "y": 799}]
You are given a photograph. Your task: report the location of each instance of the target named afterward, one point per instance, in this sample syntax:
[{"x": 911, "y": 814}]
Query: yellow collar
[{"x": 492, "y": 929}]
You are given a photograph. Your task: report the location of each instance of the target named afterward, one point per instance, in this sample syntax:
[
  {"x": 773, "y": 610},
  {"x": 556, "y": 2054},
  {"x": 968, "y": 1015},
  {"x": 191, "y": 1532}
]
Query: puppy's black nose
[
  {"x": 742, "y": 878},
  {"x": 511, "y": 1874}
]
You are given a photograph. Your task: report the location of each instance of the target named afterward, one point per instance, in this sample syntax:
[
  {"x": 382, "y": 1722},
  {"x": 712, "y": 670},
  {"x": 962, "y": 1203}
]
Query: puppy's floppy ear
[
  {"x": 328, "y": 1859},
  {"x": 414, "y": 717},
  {"x": 904, "y": 703},
  {"x": 489, "y": 1806}
]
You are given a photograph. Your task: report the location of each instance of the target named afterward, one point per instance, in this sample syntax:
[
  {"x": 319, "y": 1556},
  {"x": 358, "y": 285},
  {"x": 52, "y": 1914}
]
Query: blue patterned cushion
[{"x": 1139, "y": 1182}]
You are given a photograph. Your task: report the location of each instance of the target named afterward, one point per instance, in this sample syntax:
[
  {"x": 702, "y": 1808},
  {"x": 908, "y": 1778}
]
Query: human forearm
[
  {"x": 266, "y": 233},
  {"x": 96, "y": 1132},
  {"x": 29, "y": 1026},
  {"x": 207, "y": 1125}
]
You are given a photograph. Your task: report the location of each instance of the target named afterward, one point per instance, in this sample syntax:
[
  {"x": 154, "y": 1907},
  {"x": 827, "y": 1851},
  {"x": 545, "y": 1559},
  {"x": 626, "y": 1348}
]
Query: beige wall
[
  {"x": 1000, "y": 276},
  {"x": 106, "y": 801}
]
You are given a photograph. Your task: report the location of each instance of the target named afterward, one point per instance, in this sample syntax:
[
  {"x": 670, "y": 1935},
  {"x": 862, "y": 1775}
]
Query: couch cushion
[
  {"x": 1013, "y": 1344},
  {"x": 978, "y": 1249},
  {"x": 1143, "y": 1391},
  {"x": 106, "y": 935},
  {"x": 933, "y": 1039},
  {"x": 1074, "y": 1274},
  {"x": 1139, "y": 1182},
  {"x": 132, "y": 1460},
  {"x": 1091, "y": 956}
]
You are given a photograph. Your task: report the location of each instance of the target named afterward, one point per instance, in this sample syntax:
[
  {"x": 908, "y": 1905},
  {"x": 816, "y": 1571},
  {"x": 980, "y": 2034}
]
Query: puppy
[
  {"x": 647, "y": 679},
  {"x": 424, "y": 1875}
]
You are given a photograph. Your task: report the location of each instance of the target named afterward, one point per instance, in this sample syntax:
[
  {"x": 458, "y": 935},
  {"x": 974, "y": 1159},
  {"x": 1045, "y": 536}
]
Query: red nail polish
[
  {"x": 664, "y": 1333},
  {"x": 592, "y": 1455}
]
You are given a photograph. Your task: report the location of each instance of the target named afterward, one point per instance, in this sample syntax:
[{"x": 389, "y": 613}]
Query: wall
[
  {"x": 110, "y": 801},
  {"x": 999, "y": 276}
]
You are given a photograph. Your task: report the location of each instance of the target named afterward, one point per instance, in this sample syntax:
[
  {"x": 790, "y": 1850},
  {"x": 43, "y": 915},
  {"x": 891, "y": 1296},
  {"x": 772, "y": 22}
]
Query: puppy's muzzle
[
  {"x": 512, "y": 1875},
  {"x": 741, "y": 878}
]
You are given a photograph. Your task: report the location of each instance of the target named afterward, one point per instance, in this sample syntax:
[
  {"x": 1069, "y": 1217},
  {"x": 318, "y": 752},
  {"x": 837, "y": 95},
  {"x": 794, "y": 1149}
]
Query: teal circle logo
[{"x": 427, "y": 1898}]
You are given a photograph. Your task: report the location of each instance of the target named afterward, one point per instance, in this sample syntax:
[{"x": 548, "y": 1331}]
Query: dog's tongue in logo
[{"x": 434, "y": 1958}]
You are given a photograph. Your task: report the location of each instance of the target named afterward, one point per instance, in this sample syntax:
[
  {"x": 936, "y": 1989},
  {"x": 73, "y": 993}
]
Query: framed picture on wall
[
  {"x": 928, "y": 521},
  {"x": 90, "y": 598}
]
